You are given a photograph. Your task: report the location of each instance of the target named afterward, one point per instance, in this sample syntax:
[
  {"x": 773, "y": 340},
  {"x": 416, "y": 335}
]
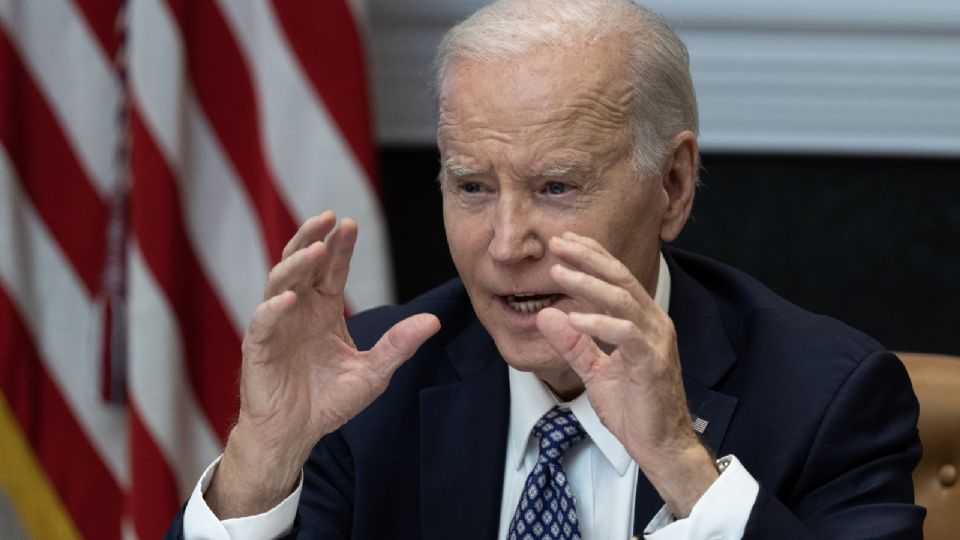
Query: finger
[
  {"x": 313, "y": 230},
  {"x": 331, "y": 277},
  {"x": 296, "y": 271},
  {"x": 576, "y": 348},
  {"x": 266, "y": 317},
  {"x": 586, "y": 241},
  {"x": 599, "y": 294},
  {"x": 587, "y": 255},
  {"x": 578, "y": 252},
  {"x": 593, "y": 261},
  {"x": 402, "y": 340},
  {"x": 620, "y": 333}
]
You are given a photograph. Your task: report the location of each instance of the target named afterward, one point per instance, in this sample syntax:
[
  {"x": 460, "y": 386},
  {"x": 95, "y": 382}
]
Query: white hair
[{"x": 658, "y": 65}]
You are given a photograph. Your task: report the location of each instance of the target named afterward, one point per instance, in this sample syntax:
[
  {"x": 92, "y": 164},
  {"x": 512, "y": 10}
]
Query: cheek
[
  {"x": 637, "y": 246},
  {"x": 465, "y": 237}
]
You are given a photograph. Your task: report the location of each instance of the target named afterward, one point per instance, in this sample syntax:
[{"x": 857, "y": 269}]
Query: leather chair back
[{"x": 936, "y": 480}]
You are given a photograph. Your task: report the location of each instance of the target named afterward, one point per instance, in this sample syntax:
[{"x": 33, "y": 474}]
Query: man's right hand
[{"x": 302, "y": 376}]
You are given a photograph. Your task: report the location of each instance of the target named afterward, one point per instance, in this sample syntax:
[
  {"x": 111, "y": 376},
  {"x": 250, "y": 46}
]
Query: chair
[{"x": 936, "y": 480}]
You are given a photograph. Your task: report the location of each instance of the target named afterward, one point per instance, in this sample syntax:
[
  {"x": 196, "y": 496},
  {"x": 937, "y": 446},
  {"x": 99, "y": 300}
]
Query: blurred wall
[{"x": 826, "y": 76}]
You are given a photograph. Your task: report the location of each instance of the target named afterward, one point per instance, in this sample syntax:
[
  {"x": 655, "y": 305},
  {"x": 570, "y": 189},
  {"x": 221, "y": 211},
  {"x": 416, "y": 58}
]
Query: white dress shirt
[{"x": 600, "y": 460}]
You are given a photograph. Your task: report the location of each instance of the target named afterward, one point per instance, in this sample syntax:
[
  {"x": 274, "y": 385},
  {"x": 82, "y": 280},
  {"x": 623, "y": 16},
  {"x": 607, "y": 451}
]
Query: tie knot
[{"x": 557, "y": 430}]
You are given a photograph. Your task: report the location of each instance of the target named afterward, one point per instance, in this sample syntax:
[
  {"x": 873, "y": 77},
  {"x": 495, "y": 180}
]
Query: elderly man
[{"x": 579, "y": 380}]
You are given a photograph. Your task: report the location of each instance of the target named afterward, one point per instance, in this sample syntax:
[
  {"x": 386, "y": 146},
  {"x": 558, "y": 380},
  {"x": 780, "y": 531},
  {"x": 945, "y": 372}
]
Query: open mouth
[{"x": 530, "y": 303}]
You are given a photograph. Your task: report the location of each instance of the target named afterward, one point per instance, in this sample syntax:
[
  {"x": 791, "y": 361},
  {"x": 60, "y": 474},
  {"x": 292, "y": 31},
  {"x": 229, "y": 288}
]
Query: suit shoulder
[{"x": 757, "y": 319}]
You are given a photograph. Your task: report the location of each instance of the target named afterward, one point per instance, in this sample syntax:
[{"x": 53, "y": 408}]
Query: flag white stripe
[
  {"x": 360, "y": 12},
  {"x": 77, "y": 79},
  {"x": 220, "y": 220},
  {"x": 127, "y": 531},
  {"x": 65, "y": 323},
  {"x": 160, "y": 385},
  {"x": 314, "y": 168}
]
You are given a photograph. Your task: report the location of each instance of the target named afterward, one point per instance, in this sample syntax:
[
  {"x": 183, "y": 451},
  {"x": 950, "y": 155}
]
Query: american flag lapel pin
[{"x": 700, "y": 424}]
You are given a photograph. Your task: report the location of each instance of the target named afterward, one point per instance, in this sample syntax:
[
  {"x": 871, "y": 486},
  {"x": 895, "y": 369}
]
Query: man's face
[{"x": 530, "y": 149}]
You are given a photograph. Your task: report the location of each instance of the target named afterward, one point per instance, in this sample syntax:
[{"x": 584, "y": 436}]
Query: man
[{"x": 549, "y": 393}]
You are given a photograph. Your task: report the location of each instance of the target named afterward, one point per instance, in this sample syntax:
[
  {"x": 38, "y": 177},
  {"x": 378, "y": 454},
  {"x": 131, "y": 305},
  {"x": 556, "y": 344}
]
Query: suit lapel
[
  {"x": 463, "y": 434},
  {"x": 706, "y": 356}
]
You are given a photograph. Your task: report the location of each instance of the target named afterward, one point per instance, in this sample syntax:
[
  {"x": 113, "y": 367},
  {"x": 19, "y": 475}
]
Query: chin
[
  {"x": 529, "y": 355},
  {"x": 539, "y": 358}
]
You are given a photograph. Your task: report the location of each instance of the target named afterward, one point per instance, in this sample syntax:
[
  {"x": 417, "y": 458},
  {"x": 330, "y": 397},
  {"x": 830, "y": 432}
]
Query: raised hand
[
  {"x": 632, "y": 378},
  {"x": 302, "y": 376}
]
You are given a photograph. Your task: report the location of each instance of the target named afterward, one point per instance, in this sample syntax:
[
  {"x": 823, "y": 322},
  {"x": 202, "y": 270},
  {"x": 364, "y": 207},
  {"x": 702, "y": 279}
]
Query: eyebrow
[
  {"x": 454, "y": 169},
  {"x": 458, "y": 170},
  {"x": 561, "y": 170}
]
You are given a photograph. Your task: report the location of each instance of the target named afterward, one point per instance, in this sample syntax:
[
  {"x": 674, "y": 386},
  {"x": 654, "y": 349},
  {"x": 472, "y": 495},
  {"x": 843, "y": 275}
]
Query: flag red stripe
[
  {"x": 153, "y": 480},
  {"x": 226, "y": 92},
  {"x": 59, "y": 442},
  {"x": 49, "y": 170},
  {"x": 324, "y": 38},
  {"x": 211, "y": 344},
  {"x": 102, "y": 16}
]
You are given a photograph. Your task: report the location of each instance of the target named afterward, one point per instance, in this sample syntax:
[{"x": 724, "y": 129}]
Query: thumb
[
  {"x": 577, "y": 348},
  {"x": 403, "y": 339}
]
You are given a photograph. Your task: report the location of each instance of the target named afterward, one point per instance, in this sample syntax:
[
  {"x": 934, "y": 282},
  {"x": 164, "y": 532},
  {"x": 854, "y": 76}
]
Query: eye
[
  {"x": 471, "y": 187},
  {"x": 556, "y": 188}
]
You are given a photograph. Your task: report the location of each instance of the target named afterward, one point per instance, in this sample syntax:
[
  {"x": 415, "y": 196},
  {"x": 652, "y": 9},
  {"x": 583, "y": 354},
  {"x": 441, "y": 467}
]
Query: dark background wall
[{"x": 874, "y": 242}]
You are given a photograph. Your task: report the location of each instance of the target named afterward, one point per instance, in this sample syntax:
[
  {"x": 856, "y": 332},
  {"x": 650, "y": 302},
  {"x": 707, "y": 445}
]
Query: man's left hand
[{"x": 632, "y": 377}]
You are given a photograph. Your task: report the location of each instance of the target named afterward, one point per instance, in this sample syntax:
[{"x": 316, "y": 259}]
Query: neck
[{"x": 565, "y": 385}]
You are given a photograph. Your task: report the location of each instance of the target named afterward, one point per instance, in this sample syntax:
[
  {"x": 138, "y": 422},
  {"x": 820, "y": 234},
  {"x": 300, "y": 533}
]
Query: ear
[{"x": 679, "y": 176}]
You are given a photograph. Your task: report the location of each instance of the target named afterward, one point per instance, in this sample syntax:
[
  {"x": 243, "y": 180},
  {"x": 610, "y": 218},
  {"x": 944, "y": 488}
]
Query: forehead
[{"x": 575, "y": 100}]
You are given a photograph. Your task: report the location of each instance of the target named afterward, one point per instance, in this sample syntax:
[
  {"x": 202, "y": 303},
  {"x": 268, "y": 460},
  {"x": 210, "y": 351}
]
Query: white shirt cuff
[
  {"x": 200, "y": 523},
  {"x": 721, "y": 513}
]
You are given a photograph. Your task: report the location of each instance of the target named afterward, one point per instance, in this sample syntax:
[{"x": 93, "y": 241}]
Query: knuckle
[
  {"x": 668, "y": 328},
  {"x": 246, "y": 346},
  {"x": 580, "y": 278},
  {"x": 291, "y": 246},
  {"x": 585, "y": 253},
  {"x": 392, "y": 349},
  {"x": 274, "y": 275},
  {"x": 251, "y": 341},
  {"x": 633, "y": 333},
  {"x": 658, "y": 368},
  {"x": 593, "y": 258},
  {"x": 625, "y": 329},
  {"x": 257, "y": 328},
  {"x": 623, "y": 298},
  {"x": 391, "y": 343},
  {"x": 622, "y": 274},
  {"x": 588, "y": 240}
]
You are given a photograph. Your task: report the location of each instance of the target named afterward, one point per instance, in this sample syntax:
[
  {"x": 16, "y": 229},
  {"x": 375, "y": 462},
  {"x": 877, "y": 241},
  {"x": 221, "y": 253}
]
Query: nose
[{"x": 515, "y": 235}]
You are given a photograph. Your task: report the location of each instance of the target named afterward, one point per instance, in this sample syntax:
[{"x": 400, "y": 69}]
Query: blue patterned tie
[{"x": 546, "y": 508}]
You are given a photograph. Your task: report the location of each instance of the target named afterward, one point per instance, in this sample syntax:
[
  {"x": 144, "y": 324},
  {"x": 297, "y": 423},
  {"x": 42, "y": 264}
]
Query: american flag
[{"x": 155, "y": 157}]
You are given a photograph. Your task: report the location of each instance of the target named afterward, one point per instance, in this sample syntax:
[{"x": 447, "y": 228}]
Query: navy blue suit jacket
[{"x": 822, "y": 416}]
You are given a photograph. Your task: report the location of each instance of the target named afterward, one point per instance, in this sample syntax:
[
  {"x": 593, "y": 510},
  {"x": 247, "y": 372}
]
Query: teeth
[{"x": 529, "y": 303}]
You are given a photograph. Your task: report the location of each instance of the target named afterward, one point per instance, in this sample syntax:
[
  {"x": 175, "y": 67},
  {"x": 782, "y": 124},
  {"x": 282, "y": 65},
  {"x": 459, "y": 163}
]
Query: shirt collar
[{"x": 530, "y": 399}]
